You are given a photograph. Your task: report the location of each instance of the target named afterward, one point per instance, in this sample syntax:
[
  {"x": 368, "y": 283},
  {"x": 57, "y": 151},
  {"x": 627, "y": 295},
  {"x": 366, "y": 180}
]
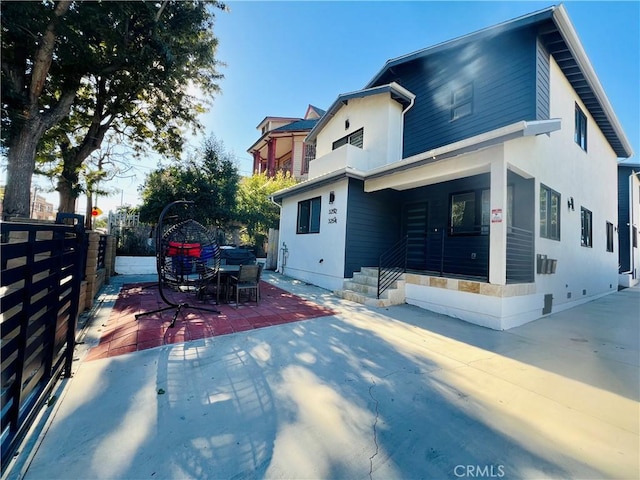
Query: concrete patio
[{"x": 391, "y": 393}]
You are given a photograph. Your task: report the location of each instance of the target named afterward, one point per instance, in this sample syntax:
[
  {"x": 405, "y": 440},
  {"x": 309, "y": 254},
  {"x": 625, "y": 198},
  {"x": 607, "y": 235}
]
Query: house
[
  {"x": 281, "y": 144},
  {"x": 480, "y": 170},
  {"x": 629, "y": 223}
]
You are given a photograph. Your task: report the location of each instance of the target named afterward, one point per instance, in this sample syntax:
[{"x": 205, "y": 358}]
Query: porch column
[
  {"x": 256, "y": 161},
  {"x": 498, "y": 225},
  {"x": 271, "y": 158}
]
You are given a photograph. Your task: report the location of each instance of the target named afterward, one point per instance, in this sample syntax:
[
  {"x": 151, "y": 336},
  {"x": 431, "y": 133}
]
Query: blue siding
[
  {"x": 373, "y": 226},
  {"x": 542, "y": 82},
  {"x": 624, "y": 246},
  {"x": 503, "y": 72}
]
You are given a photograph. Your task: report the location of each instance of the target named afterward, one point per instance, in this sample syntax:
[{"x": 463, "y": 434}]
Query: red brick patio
[{"x": 123, "y": 333}]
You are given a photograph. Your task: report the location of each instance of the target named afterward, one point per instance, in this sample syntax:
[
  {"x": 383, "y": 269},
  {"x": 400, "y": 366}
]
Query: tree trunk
[
  {"x": 67, "y": 196},
  {"x": 88, "y": 219},
  {"x": 20, "y": 165}
]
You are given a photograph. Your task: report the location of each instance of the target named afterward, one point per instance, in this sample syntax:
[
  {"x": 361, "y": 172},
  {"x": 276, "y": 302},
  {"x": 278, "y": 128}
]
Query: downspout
[{"x": 413, "y": 100}]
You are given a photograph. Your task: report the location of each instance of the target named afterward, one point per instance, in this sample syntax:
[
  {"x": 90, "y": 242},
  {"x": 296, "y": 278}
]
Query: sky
[{"x": 279, "y": 57}]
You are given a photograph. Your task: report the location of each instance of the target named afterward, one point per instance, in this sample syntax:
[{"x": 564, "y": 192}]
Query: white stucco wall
[
  {"x": 316, "y": 258},
  {"x": 136, "y": 265},
  {"x": 591, "y": 179},
  {"x": 381, "y": 118}
]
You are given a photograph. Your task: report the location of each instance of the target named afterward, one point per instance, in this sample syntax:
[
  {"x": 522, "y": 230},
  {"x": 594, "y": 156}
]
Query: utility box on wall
[{"x": 546, "y": 265}]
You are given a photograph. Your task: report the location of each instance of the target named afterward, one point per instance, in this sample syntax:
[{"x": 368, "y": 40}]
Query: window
[
  {"x": 356, "y": 139},
  {"x": 462, "y": 102},
  {"x": 549, "y": 213},
  {"x": 309, "y": 216},
  {"x": 609, "y": 237},
  {"x": 586, "y": 234},
  {"x": 309, "y": 154},
  {"x": 463, "y": 212},
  {"x": 471, "y": 211},
  {"x": 580, "y": 135}
]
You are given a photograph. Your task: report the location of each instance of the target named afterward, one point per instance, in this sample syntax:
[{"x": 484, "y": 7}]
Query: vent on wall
[{"x": 548, "y": 303}]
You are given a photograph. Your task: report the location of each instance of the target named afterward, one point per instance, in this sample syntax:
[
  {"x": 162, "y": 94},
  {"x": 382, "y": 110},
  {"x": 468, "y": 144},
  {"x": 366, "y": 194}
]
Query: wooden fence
[{"x": 49, "y": 275}]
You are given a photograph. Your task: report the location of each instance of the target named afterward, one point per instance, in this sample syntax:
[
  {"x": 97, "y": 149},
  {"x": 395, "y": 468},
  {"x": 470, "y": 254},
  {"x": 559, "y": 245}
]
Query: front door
[{"x": 414, "y": 226}]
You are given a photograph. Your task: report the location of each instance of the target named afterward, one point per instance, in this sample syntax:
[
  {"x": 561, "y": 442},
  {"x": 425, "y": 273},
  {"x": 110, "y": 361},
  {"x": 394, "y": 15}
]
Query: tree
[
  {"x": 29, "y": 40},
  {"x": 254, "y": 209},
  {"x": 123, "y": 66},
  {"x": 209, "y": 179}
]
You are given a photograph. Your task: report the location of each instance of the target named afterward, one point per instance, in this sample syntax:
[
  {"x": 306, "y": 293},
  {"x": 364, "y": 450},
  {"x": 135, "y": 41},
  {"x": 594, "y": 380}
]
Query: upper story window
[
  {"x": 549, "y": 213},
  {"x": 580, "y": 135},
  {"x": 462, "y": 102},
  {"x": 309, "y": 216},
  {"x": 586, "y": 231},
  {"x": 356, "y": 139}
]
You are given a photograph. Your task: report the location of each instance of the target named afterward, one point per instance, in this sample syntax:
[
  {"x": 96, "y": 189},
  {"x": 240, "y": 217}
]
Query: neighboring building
[
  {"x": 281, "y": 146},
  {"x": 629, "y": 223},
  {"x": 41, "y": 209},
  {"x": 491, "y": 158}
]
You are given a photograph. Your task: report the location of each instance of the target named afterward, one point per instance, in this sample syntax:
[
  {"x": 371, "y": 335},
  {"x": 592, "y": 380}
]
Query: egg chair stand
[{"x": 187, "y": 259}]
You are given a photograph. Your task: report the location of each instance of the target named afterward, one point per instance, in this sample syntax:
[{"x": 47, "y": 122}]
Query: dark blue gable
[{"x": 506, "y": 88}]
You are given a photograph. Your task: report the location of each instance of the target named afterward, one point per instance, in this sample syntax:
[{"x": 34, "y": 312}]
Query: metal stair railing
[{"x": 392, "y": 264}]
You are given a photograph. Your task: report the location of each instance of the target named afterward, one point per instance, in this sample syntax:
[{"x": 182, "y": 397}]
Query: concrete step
[
  {"x": 363, "y": 299},
  {"x": 363, "y": 289}
]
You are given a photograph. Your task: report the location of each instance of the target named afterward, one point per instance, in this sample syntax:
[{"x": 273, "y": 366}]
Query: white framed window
[
  {"x": 549, "y": 213},
  {"x": 309, "y": 216},
  {"x": 356, "y": 139},
  {"x": 609, "y": 237},
  {"x": 462, "y": 102},
  {"x": 586, "y": 227},
  {"x": 580, "y": 135}
]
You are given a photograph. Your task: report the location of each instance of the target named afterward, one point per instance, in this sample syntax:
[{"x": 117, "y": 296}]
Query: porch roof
[{"x": 478, "y": 142}]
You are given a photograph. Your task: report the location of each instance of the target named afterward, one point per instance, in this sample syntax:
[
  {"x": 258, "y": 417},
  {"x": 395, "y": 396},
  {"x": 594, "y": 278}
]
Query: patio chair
[{"x": 247, "y": 279}]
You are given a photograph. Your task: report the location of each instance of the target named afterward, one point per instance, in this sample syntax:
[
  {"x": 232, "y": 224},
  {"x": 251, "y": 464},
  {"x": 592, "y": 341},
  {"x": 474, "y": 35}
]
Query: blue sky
[{"x": 282, "y": 56}]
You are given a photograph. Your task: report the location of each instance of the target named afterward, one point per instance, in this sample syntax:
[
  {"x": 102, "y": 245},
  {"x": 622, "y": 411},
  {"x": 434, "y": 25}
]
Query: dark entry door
[{"x": 414, "y": 225}]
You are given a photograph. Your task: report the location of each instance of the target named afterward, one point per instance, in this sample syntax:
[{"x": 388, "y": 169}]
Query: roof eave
[
  {"x": 570, "y": 36},
  {"x": 312, "y": 183}
]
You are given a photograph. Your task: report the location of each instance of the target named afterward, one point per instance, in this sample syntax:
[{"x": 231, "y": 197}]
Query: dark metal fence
[
  {"x": 466, "y": 253},
  {"x": 520, "y": 255},
  {"x": 42, "y": 270}
]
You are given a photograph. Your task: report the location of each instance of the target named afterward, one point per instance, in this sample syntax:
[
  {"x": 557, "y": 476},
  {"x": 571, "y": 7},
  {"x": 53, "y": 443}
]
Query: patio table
[{"x": 224, "y": 272}]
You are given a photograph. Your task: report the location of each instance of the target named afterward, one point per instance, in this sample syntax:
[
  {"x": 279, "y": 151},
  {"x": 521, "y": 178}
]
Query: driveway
[{"x": 393, "y": 393}]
